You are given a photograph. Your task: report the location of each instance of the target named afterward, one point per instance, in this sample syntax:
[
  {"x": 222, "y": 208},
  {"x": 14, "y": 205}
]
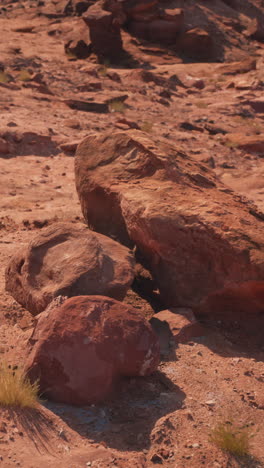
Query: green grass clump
[
  {"x": 232, "y": 438},
  {"x": 16, "y": 390}
]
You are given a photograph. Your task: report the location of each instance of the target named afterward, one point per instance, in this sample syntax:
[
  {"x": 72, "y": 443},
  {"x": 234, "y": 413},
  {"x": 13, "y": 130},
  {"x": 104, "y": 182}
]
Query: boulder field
[{"x": 195, "y": 235}]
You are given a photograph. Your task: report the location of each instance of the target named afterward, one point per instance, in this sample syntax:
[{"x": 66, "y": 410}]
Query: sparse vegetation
[
  {"x": 201, "y": 104},
  {"x": 146, "y": 127},
  {"x": 4, "y": 78},
  {"x": 232, "y": 438},
  {"x": 24, "y": 75},
  {"x": 71, "y": 55},
  {"x": 231, "y": 144},
  {"x": 16, "y": 389},
  {"x": 117, "y": 106}
]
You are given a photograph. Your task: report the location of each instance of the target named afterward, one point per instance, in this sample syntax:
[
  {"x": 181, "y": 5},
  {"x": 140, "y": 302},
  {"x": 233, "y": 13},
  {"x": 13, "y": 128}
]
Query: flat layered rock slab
[{"x": 102, "y": 106}]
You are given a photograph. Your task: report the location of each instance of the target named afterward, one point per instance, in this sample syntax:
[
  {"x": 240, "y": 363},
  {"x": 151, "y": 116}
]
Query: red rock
[
  {"x": 70, "y": 260},
  {"x": 82, "y": 347},
  {"x": 78, "y": 48},
  {"x": 138, "y": 6},
  {"x": 176, "y": 15},
  {"x": 182, "y": 322},
  {"x": 196, "y": 43},
  {"x": 80, "y": 6},
  {"x": 156, "y": 30},
  {"x": 236, "y": 305},
  {"x": 164, "y": 31},
  {"x": 194, "y": 234},
  {"x": 69, "y": 147},
  {"x": 255, "y": 30},
  {"x": 257, "y": 105},
  {"x": 244, "y": 66},
  {"x": 104, "y": 32},
  {"x": 4, "y": 146},
  {"x": 249, "y": 143}
]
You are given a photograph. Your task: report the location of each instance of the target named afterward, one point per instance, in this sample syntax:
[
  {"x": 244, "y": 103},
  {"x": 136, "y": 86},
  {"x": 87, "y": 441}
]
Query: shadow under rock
[
  {"x": 232, "y": 341},
  {"x": 125, "y": 423},
  {"x": 247, "y": 461},
  {"x": 35, "y": 424}
]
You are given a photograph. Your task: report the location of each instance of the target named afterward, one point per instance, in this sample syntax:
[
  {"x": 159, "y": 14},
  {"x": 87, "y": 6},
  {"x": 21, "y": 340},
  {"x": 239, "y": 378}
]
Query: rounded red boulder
[
  {"x": 79, "y": 349},
  {"x": 68, "y": 259}
]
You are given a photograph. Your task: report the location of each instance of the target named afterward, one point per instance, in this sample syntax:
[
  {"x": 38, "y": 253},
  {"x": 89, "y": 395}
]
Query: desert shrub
[
  {"x": 232, "y": 438},
  {"x": 16, "y": 389}
]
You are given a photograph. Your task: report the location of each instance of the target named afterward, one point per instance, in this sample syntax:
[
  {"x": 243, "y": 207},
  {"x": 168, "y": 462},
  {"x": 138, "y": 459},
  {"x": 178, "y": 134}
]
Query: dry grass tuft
[
  {"x": 16, "y": 389},
  {"x": 24, "y": 75},
  {"x": 117, "y": 106},
  {"x": 146, "y": 127},
  {"x": 4, "y": 78},
  {"x": 232, "y": 438}
]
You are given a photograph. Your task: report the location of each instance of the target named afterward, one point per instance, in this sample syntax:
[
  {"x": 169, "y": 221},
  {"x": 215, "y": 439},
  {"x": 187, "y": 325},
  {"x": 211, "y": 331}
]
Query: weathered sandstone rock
[
  {"x": 249, "y": 143},
  {"x": 69, "y": 260},
  {"x": 194, "y": 234},
  {"x": 158, "y": 30},
  {"x": 104, "y": 31},
  {"x": 238, "y": 306},
  {"x": 81, "y": 348},
  {"x": 255, "y": 30},
  {"x": 196, "y": 43}
]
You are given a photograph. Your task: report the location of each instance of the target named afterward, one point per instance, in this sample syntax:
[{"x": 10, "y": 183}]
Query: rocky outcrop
[
  {"x": 69, "y": 260},
  {"x": 157, "y": 26},
  {"x": 104, "y": 26},
  {"x": 196, "y": 43},
  {"x": 194, "y": 234},
  {"x": 255, "y": 30},
  {"x": 78, "y": 350},
  {"x": 251, "y": 143},
  {"x": 78, "y": 43}
]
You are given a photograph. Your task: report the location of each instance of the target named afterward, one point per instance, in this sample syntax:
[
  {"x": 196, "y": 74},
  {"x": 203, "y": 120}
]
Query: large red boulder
[
  {"x": 194, "y": 234},
  {"x": 69, "y": 260},
  {"x": 80, "y": 349}
]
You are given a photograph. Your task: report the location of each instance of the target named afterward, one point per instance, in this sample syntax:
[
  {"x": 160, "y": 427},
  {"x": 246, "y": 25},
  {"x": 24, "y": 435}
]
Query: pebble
[{"x": 210, "y": 403}]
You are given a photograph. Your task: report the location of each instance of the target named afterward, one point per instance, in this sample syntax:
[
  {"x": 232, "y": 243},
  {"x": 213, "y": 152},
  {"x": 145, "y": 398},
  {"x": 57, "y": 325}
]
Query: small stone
[
  {"x": 210, "y": 403},
  {"x": 156, "y": 459}
]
